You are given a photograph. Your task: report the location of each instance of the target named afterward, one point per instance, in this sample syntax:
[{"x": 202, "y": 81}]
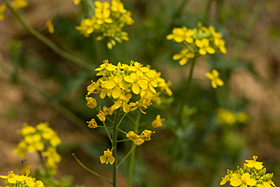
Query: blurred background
[{"x": 39, "y": 85}]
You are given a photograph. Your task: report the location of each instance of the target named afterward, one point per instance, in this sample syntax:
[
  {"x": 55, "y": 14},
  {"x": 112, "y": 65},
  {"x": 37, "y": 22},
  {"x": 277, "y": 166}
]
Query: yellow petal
[
  {"x": 111, "y": 159},
  {"x": 143, "y": 84},
  {"x": 116, "y": 92},
  {"x": 103, "y": 159},
  {"x": 109, "y": 84},
  {"x": 135, "y": 89}
]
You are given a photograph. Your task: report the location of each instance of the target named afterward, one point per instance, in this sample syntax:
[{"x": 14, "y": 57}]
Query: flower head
[
  {"x": 198, "y": 41},
  {"x": 107, "y": 22},
  {"x": 129, "y": 86},
  {"x": 252, "y": 174},
  {"x": 214, "y": 77},
  {"x": 107, "y": 157}
]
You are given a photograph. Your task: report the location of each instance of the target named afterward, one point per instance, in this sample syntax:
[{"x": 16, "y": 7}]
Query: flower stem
[
  {"x": 132, "y": 157},
  {"x": 114, "y": 148},
  {"x": 131, "y": 150},
  {"x": 89, "y": 170},
  {"x": 46, "y": 41},
  {"x": 186, "y": 91},
  {"x": 43, "y": 163}
]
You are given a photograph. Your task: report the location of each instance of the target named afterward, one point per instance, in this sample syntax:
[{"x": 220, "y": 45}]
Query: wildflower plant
[
  {"x": 130, "y": 87},
  {"x": 253, "y": 174},
  {"x": 107, "y": 22}
]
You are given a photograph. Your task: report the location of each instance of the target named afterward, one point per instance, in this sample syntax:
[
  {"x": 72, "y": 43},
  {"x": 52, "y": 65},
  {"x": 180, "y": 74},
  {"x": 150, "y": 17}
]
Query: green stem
[
  {"x": 46, "y": 41},
  {"x": 186, "y": 92},
  {"x": 132, "y": 157},
  {"x": 114, "y": 148},
  {"x": 131, "y": 150},
  {"x": 43, "y": 163},
  {"x": 107, "y": 132},
  {"x": 89, "y": 170}
]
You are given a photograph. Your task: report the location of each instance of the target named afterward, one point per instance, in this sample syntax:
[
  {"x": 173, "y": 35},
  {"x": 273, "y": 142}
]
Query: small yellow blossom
[
  {"x": 204, "y": 46},
  {"x": 157, "y": 122},
  {"x": 184, "y": 55},
  {"x": 91, "y": 102},
  {"x": 107, "y": 157},
  {"x": 19, "y": 4},
  {"x": 49, "y": 25},
  {"x": 214, "y": 77},
  {"x": 92, "y": 124},
  {"x": 2, "y": 12}
]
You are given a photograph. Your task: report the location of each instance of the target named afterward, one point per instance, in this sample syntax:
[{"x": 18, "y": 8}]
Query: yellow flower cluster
[
  {"x": 107, "y": 22},
  {"x": 17, "y": 4},
  {"x": 226, "y": 117},
  {"x": 139, "y": 139},
  {"x": 21, "y": 180},
  {"x": 198, "y": 41},
  {"x": 253, "y": 173},
  {"x": 129, "y": 86},
  {"x": 40, "y": 138}
]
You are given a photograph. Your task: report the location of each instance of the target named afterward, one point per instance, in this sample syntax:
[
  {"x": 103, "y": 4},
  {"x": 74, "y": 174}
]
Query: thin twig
[{"x": 89, "y": 170}]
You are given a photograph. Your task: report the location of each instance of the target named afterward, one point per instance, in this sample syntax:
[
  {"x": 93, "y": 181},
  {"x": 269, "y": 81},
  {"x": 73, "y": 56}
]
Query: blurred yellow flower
[
  {"x": 214, "y": 77},
  {"x": 157, "y": 122}
]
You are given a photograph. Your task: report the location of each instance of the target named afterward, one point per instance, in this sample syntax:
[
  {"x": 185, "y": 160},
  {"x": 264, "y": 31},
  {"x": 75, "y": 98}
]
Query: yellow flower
[
  {"x": 157, "y": 122},
  {"x": 254, "y": 163},
  {"x": 86, "y": 27},
  {"x": 214, "y": 77},
  {"x": 49, "y": 25},
  {"x": 243, "y": 181},
  {"x": 92, "y": 124},
  {"x": 91, "y": 102},
  {"x": 107, "y": 157},
  {"x": 178, "y": 35},
  {"x": 76, "y": 2},
  {"x": 184, "y": 55},
  {"x": 2, "y": 12},
  {"x": 101, "y": 116},
  {"x": 102, "y": 12},
  {"x": 146, "y": 135},
  {"x": 19, "y": 4},
  {"x": 204, "y": 46}
]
